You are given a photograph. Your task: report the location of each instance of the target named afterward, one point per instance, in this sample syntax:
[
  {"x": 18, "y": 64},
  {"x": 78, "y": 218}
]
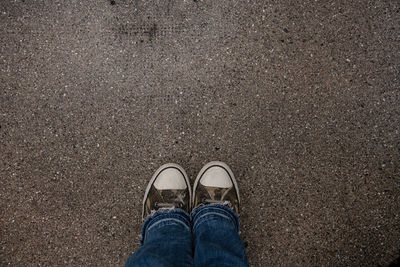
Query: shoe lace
[
  {"x": 218, "y": 201},
  {"x": 178, "y": 202},
  {"x": 168, "y": 205},
  {"x": 213, "y": 201}
]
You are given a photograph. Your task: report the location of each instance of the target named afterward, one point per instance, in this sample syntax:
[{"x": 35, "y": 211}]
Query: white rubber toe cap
[
  {"x": 170, "y": 178},
  {"x": 216, "y": 177}
]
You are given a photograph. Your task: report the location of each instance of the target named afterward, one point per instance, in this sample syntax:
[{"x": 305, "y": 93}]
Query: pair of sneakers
[{"x": 169, "y": 188}]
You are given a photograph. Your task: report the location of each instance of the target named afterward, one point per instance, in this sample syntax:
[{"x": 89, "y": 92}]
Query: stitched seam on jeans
[
  {"x": 215, "y": 214},
  {"x": 218, "y": 207},
  {"x": 168, "y": 219},
  {"x": 218, "y": 210},
  {"x": 224, "y": 210}
]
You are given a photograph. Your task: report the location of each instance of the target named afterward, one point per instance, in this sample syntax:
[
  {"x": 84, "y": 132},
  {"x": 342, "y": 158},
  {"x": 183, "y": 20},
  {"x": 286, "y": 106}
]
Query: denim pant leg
[
  {"x": 216, "y": 239},
  {"x": 166, "y": 240}
]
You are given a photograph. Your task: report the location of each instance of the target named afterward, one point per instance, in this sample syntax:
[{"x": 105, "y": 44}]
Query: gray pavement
[{"x": 300, "y": 98}]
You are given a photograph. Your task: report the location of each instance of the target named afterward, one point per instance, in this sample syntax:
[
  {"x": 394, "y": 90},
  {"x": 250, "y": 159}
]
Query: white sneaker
[
  {"x": 168, "y": 188},
  {"x": 216, "y": 184}
]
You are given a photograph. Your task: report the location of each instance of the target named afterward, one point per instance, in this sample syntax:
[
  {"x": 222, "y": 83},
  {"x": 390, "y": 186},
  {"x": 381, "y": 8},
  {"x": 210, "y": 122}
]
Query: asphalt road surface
[{"x": 300, "y": 98}]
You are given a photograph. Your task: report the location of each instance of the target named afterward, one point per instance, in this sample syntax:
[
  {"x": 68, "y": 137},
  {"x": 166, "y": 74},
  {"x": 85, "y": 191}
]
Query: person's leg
[
  {"x": 166, "y": 238},
  {"x": 216, "y": 238},
  {"x": 214, "y": 219}
]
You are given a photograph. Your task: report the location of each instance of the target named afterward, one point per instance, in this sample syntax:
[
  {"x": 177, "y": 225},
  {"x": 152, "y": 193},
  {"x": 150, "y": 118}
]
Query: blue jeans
[{"x": 209, "y": 237}]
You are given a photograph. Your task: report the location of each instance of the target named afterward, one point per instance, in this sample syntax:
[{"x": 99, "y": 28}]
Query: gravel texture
[{"x": 300, "y": 98}]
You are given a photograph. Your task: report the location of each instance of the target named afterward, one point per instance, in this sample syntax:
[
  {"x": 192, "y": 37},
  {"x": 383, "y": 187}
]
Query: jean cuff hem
[
  {"x": 175, "y": 214},
  {"x": 220, "y": 209}
]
